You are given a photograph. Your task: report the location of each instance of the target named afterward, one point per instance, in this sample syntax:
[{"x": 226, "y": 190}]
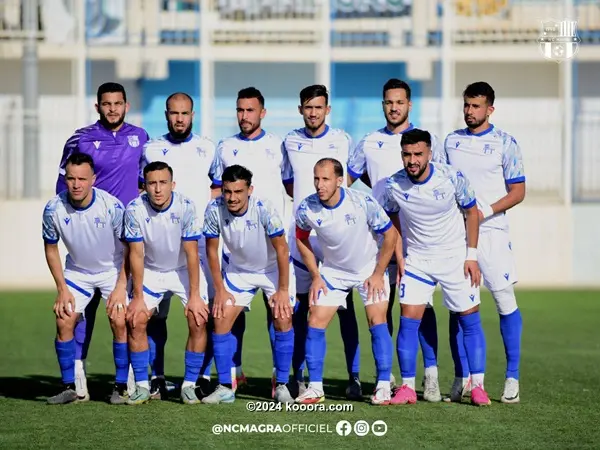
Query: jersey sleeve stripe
[
  {"x": 134, "y": 239},
  {"x": 78, "y": 288},
  {"x": 50, "y": 241},
  {"x": 196, "y": 237},
  {"x": 470, "y": 205},
  {"x": 418, "y": 278},
  {"x": 515, "y": 180},
  {"x": 277, "y": 233},
  {"x": 353, "y": 173},
  {"x": 217, "y": 182},
  {"x": 386, "y": 227},
  {"x": 225, "y": 258},
  {"x": 210, "y": 235},
  {"x": 288, "y": 180}
]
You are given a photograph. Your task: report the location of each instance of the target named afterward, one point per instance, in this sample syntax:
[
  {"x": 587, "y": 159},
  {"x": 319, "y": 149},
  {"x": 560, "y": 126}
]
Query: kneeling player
[
  {"x": 259, "y": 259},
  {"x": 162, "y": 229},
  {"x": 346, "y": 223},
  {"x": 430, "y": 198},
  {"x": 90, "y": 223}
]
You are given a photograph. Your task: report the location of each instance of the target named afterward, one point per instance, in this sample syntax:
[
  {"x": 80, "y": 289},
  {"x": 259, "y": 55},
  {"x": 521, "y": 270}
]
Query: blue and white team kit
[
  {"x": 92, "y": 237},
  {"x": 490, "y": 160},
  {"x": 163, "y": 233},
  {"x": 435, "y": 235},
  {"x": 347, "y": 235}
]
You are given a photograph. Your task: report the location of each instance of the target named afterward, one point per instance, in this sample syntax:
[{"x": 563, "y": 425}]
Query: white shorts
[
  {"x": 303, "y": 279},
  {"x": 421, "y": 276},
  {"x": 244, "y": 285},
  {"x": 157, "y": 284},
  {"x": 82, "y": 286},
  {"x": 496, "y": 260},
  {"x": 338, "y": 289}
]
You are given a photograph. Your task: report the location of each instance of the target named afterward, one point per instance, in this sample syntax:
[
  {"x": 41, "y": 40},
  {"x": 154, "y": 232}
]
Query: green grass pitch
[{"x": 560, "y": 403}]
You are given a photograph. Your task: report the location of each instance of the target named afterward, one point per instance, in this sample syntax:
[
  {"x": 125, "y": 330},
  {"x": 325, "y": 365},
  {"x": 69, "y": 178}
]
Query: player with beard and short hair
[
  {"x": 192, "y": 158},
  {"x": 116, "y": 148},
  {"x": 261, "y": 153},
  {"x": 493, "y": 162},
  {"x": 305, "y": 147},
  {"x": 376, "y": 157}
]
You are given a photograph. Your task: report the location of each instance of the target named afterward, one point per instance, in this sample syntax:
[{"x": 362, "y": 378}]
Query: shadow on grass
[{"x": 38, "y": 388}]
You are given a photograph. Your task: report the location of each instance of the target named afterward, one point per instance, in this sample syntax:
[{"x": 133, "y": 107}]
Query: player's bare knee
[
  {"x": 196, "y": 328},
  {"x": 65, "y": 327},
  {"x": 119, "y": 328},
  {"x": 506, "y": 302},
  {"x": 320, "y": 316},
  {"x": 376, "y": 313},
  {"x": 282, "y": 324},
  {"x": 412, "y": 311}
]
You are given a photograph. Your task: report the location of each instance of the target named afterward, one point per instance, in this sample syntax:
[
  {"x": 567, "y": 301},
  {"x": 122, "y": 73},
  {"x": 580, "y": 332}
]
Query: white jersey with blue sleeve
[
  {"x": 162, "y": 231},
  {"x": 491, "y": 160},
  {"x": 192, "y": 161},
  {"x": 92, "y": 235},
  {"x": 430, "y": 211},
  {"x": 264, "y": 157},
  {"x": 304, "y": 151},
  {"x": 347, "y": 232},
  {"x": 247, "y": 236},
  {"x": 379, "y": 154}
]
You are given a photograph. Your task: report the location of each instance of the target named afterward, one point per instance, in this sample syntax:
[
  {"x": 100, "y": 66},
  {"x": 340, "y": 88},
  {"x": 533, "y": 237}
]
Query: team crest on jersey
[
  {"x": 201, "y": 152},
  {"x": 174, "y": 218},
  {"x": 350, "y": 219},
  {"x": 133, "y": 140},
  {"x": 270, "y": 153},
  {"x": 439, "y": 195},
  {"x": 251, "y": 225},
  {"x": 99, "y": 222},
  {"x": 331, "y": 146},
  {"x": 488, "y": 149}
]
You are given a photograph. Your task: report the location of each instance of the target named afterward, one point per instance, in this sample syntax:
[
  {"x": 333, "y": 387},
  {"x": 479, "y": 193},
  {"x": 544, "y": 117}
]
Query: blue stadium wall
[{"x": 356, "y": 94}]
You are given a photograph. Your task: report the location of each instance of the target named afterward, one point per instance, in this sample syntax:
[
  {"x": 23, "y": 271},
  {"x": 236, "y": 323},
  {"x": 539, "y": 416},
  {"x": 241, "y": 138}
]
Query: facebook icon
[{"x": 343, "y": 428}]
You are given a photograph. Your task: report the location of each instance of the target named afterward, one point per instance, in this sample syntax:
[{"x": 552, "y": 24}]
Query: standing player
[
  {"x": 305, "y": 147},
  {"x": 376, "y": 157},
  {"x": 191, "y": 157},
  {"x": 262, "y": 154},
  {"x": 253, "y": 232},
  {"x": 430, "y": 198},
  {"x": 346, "y": 223},
  {"x": 162, "y": 229},
  {"x": 90, "y": 223},
  {"x": 492, "y": 160},
  {"x": 116, "y": 148}
]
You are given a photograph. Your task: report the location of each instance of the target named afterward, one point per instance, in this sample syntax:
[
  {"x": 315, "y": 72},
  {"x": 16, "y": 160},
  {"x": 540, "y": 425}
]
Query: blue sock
[
  {"x": 206, "y": 368},
  {"x": 80, "y": 332},
  {"x": 407, "y": 346},
  {"x": 316, "y": 346},
  {"x": 428, "y": 338},
  {"x": 511, "y": 327},
  {"x": 223, "y": 351},
  {"x": 237, "y": 330},
  {"x": 474, "y": 340},
  {"x": 139, "y": 363},
  {"x": 349, "y": 331},
  {"x": 193, "y": 364},
  {"x": 65, "y": 352},
  {"x": 284, "y": 349},
  {"x": 457, "y": 347},
  {"x": 157, "y": 340},
  {"x": 121, "y": 356},
  {"x": 381, "y": 344},
  {"x": 300, "y": 324}
]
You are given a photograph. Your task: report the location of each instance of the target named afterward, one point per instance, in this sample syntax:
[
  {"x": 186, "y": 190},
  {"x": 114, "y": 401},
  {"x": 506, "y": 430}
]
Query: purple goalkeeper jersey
[{"x": 116, "y": 156}]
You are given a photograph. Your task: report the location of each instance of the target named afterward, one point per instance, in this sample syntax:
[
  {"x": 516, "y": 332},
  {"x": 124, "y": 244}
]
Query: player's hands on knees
[
  {"x": 64, "y": 305},
  {"x": 375, "y": 286},
  {"x": 280, "y": 303},
  {"x": 400, "y": 272},
  {"x": 472, "y": 270},
  {"x": 220, "y": 301},
  {"x": 135, "y": 308},
  {"x": 116, "y": 303},
  {"x": 197, "y": 308},
  {"x": 317, "y": 285}
]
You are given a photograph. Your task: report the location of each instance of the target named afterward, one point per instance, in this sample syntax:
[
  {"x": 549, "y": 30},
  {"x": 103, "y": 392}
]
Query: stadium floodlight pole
[
  {"x": 566, "y": 69},
  {"x": 447, "y": 58},
  {"x": 31, "y": 154}
]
